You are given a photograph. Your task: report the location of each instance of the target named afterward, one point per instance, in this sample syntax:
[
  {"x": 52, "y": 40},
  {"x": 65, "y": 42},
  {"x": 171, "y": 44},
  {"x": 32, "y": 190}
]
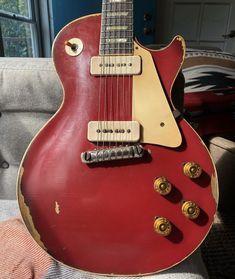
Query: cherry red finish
[{"x": 106, "y": 211}]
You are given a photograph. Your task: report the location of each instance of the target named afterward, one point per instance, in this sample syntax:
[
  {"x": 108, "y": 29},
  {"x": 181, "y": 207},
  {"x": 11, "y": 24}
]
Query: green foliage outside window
[
  {"x": 15, "y": 6},
  {"x": 16, "y": 35}
]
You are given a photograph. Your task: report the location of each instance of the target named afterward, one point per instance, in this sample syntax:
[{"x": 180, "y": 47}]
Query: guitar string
[
  {"x": 128, "y": 76},
  {"x": 111, "y": 88},
  {"x": 104, "y": 84},
  {"x": 117, "y": 77},
  {"x": 107, "y": 69},
  {"x": 131, "y": 77},
  {"x": 109, "y": 79},
  {"x": 123, "y": 55},
  {"x": 105, "y": 78},
  {"x": 102, "y": 36},
  {"x": 106, "y": 89},
  {"x": 124, "y": 93}
]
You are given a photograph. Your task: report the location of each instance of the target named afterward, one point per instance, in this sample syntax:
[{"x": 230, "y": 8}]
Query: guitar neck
[{"x": 116, "y": 27}]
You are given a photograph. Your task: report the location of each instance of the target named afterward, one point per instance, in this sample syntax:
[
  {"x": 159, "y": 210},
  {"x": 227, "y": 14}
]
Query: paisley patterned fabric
[{"x": 208, "y": 70}]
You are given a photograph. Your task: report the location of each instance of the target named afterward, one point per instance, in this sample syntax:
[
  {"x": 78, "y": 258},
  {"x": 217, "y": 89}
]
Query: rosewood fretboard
[{"x": 116, "y": 27}]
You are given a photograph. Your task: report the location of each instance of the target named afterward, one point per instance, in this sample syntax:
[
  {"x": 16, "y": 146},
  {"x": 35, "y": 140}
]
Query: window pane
[
  {"x": 20, "y": 7},
  {"x": 17, "y": 38}
]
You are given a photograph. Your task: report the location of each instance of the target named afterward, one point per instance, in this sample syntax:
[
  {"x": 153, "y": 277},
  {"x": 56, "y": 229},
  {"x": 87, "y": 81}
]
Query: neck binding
[{"x": 116, "y": 27}]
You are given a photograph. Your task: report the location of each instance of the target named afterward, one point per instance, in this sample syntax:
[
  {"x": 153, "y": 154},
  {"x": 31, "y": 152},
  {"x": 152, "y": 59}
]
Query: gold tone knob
[
  {"x": 190, "y": 210},
  {"x": 192, "y": 170},
  {"x": 162, "y": 186},
  {"x": 162, "y": 226}
]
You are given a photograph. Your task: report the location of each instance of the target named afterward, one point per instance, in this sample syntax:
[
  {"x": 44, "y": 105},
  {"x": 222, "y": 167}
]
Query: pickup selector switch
[{"x": 73, "y": 46}]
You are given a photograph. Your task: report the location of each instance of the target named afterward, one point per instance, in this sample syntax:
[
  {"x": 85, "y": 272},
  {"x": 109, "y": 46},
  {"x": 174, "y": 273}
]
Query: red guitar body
[{"x": 99, "y": 218}]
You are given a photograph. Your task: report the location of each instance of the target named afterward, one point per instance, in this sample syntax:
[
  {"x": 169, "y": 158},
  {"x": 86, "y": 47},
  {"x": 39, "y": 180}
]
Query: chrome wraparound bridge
[{"x": 112, "y": 154}]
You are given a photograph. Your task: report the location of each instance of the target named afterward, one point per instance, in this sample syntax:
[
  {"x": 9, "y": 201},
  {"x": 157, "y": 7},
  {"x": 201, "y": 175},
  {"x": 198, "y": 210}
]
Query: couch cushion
[
  {"x": 30, "y": 92},
  {"x": 223, "y": 154},
  {"x": 29, "y": 85}
]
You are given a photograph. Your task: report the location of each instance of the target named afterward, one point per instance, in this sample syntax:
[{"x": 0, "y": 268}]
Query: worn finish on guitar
[{"x": 102, "y": 217}]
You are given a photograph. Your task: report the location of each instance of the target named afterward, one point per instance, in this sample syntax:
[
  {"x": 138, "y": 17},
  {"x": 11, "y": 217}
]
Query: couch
[{"x": 30, "y": 93}]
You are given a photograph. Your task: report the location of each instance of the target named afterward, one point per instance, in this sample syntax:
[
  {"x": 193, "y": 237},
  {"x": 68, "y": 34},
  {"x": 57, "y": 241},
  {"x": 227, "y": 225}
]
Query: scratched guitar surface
[{"x": 100, "y": 217}]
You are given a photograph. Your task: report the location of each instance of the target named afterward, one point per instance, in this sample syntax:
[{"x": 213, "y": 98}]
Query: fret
[
  {"x": 115, "y": 33},
  {"x": 117, "y": 1},
  {"x": 115, "y": 18},
  {"x": 117, "y": 7},
  {"x": 117, "y": 48},
  {"x": 116, "y": 27},
  {"x": 118, "y": 10},
  {"x": 116, "y": 51},
  {"x": 110, "y": 46},
  {"x": 119, "y": 21},
  {"x": 106, "y": 2}
]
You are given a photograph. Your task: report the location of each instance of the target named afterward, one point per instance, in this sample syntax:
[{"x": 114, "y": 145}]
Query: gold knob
[
  {"x": 162, "y": 226},
  {"x": 190, "y": 210},
  {"x": 192, "y": 170},
  {"x": 162, "y": 186}
]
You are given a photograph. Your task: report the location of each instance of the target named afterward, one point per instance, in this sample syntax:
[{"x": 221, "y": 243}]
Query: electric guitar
[{"x": 117, "y": 182}]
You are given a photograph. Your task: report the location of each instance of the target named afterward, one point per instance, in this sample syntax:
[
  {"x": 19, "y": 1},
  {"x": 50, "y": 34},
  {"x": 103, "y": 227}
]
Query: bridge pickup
[
  {"x": 113, "y": 154},
  {"x": 113, "y": 131},
  {"x": 115, "y": 65}
]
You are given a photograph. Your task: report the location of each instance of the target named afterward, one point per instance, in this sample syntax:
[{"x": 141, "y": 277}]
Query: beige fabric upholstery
[
  {"x": 29, "y": 93},
  {"x": 223, "y": 153}
]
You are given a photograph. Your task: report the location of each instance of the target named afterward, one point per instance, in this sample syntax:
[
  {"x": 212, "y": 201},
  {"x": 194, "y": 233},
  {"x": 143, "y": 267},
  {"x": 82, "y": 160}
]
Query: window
[{"x": 21, "y": 25}]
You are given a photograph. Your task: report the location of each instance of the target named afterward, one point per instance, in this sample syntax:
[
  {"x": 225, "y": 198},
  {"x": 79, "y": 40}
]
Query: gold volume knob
[
  {"x": 162, "y": 226},
  {"x": 162, "y": 186},
  {"x": 190, "y": 210},
  {"x": 192, "y": 170}
]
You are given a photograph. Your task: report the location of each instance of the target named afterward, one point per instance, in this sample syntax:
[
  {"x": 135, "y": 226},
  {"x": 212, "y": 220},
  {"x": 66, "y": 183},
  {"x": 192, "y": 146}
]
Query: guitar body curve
[{"x": 100, "y": 218}]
